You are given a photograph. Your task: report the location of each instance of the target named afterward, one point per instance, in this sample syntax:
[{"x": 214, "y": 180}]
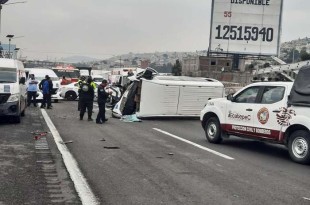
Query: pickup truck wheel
[
  {"x": 213, "y": 130},
  {"x": 299, "y": 145}
]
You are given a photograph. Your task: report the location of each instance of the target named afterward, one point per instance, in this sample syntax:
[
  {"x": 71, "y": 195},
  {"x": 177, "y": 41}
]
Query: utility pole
[{"x": 120, "y": 61}]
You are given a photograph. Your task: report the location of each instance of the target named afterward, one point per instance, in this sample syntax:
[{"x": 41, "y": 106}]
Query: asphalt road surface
[{"x": 133, "y": 163}]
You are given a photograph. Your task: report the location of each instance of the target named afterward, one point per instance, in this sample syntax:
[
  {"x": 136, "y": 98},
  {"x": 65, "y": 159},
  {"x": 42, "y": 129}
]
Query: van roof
[
  {"x": 8, "y": 63},
  {"x": 41, "y": 72}
]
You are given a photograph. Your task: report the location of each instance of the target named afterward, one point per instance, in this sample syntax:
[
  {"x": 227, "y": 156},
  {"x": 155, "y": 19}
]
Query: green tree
[
  {"x": 177, "y": 68},
  {"x": 304, "y": 55}
]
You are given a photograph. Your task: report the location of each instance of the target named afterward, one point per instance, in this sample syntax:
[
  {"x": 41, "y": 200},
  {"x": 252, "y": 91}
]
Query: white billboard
[{"x": 250, "y": 27}]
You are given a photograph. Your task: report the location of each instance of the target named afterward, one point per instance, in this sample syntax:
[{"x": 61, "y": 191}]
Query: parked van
[
  {"x": 12, "y": 89},
  {"x": 40, "y": 74}
]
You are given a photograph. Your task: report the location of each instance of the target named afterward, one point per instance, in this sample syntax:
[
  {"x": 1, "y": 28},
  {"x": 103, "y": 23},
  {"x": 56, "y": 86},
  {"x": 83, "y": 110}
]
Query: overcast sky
[{"x": 102, "y": 28}]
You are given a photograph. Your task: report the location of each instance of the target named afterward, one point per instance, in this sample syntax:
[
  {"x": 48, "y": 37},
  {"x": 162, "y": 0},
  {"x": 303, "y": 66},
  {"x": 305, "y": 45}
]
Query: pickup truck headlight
[{"x": 13, "y": 98}]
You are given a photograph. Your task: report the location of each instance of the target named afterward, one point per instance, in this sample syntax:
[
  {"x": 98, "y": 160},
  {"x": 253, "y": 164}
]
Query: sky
[{"x": 51, "y": 29}]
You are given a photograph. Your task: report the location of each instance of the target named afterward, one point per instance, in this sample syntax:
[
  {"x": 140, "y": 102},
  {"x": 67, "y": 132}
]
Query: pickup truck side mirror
[{"x": 230, "y": 97}]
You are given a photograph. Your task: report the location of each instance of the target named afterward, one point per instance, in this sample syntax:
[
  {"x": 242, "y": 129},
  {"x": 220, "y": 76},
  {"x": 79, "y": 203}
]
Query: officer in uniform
[
  {"x": 102, "y": 99},
  {"x": 87, "y": 94},
  {"x": 80, "y": 82}
]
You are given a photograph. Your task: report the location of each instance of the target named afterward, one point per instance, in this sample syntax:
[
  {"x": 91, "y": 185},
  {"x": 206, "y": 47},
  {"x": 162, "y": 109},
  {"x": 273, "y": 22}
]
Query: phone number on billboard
[{"x": 247, "y": 33}]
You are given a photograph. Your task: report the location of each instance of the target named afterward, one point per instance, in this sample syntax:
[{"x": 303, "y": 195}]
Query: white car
[{"x": 70, "y": 91}]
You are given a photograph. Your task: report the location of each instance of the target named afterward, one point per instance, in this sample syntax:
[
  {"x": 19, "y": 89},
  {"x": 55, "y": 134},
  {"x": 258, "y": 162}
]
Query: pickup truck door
[
  {"x": 271, "y": 100},
  {"x": 239, "y": 115}
]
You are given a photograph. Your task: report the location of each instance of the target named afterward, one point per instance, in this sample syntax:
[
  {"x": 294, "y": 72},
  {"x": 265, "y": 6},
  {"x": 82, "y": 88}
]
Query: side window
[
  {"x": 272, "y": 95},
  {"x": 247, "y": 96}
]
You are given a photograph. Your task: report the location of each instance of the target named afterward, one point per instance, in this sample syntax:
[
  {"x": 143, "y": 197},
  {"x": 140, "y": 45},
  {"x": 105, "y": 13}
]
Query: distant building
[
  {"x": 219, "y": 68},
  {"x": 144, "y": 64},
  {"x": 203, "y": 66}
]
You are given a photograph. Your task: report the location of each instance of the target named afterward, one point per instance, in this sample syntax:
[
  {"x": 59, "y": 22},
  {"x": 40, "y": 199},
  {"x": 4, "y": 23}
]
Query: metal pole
[
  {"x": 0, "y": 17},
  {"x": 9, "y": 47}
]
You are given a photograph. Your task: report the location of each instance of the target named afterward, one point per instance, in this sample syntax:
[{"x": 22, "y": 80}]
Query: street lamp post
[
  {"x": 16, "y": 50},
  {"x": 10, "y": 36}
]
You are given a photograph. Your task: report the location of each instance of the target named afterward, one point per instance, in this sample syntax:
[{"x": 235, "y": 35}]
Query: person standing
[
  {"x": 64, "y": 81},
  {"x": 102, "y": 99},
  {"x": 32, "y": 89},
  {"x": 46, "y": 85},
  {"x": 80, "y": 82},
  {"x": 87, "y": 94}
]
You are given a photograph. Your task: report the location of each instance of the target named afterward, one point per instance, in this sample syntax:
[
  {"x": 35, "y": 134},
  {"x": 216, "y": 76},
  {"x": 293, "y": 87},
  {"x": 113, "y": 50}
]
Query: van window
[
  {"x": 41, "y": 78},
  {"x": 8, "y": 75}
]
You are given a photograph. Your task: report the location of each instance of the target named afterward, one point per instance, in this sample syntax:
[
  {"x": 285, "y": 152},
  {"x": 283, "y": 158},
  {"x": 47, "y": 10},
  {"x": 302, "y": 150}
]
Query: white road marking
[
  {"x": 194, "y": 144},
  {"x": 305, "y": 198},
  {"x": 82, "y": 187}
]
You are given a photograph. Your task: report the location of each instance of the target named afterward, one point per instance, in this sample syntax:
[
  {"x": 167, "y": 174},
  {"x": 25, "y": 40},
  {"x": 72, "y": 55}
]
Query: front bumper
[
  {"x": 9, "y": 109},
  {"x": 56, "y": 96}
]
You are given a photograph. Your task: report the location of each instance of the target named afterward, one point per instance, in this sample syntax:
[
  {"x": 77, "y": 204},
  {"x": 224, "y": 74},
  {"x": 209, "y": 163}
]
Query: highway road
[
  {"x": 169, "y": 161},
  {"x": 157, "y": 161}
]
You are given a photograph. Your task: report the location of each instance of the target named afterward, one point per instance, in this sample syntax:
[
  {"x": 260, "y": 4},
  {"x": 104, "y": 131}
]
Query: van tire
[
  {"x": 213, "y": 130},
  {"x": 299, "y": 146},
  {"x": 70, "y": 95}
]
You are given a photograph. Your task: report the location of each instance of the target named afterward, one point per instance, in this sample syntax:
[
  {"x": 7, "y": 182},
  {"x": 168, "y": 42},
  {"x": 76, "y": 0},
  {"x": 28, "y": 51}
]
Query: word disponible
[
  {"x": 251, "y": 129},
  {"x": 237, "y": 116},
  {"x": 247, "y": 33},
  {"x": 252, "y": 2}
]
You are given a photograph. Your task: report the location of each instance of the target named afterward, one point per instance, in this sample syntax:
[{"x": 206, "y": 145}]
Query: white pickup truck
[{"x": 263, "y": 111}]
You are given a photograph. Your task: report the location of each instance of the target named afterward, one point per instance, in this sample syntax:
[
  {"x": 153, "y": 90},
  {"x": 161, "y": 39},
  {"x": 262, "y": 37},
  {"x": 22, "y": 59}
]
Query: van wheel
[
  {"x": 70, "y": 95},
  {"x": 298, "y": 146},
  {"x": 213, "y": 130}
]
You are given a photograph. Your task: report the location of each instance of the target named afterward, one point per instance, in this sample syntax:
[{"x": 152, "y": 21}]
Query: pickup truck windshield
[{"x": 8, "y": 75}]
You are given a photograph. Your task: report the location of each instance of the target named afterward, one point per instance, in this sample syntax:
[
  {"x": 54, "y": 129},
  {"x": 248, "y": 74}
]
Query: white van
[
  {"x": 39, "y": 74},
  {"x": 12, "y": 89},
  {"x": 171, "y": 96}
]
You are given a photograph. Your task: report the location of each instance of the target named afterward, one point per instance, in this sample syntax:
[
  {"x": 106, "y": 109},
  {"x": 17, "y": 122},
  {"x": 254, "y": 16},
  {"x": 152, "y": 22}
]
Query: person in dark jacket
[
  {"x": 87, "y": 94},
  {"x": 46, "y": 85},
  {"x": 80, "y": 82},
  {"x": 102, "y": 99}
]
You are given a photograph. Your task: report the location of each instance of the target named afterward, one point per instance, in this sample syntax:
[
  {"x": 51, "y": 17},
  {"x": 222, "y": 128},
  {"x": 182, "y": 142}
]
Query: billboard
[{"x": 250, "y": 27}]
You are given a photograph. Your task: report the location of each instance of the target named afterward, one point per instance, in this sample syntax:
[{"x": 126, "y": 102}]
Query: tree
[
  {"x": 304, "y": 55},
  {"x": 177, "y": 68}
]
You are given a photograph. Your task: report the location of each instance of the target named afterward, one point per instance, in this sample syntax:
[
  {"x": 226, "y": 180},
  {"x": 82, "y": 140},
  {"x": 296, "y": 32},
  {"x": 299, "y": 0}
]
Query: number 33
[{"x": 227, "y": 13}]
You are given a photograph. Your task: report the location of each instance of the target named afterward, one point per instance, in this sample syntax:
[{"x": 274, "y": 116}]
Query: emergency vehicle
[{"x": 277, "y": 112}]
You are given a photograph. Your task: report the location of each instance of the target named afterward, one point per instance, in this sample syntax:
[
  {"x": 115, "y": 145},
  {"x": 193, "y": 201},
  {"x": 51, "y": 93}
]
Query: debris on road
[
  {"x": 103, "y": 140},
  {"x": 170, "y": 154},
  {"x": 67, "y": 142},
  {"x": 111, "y": 147}
]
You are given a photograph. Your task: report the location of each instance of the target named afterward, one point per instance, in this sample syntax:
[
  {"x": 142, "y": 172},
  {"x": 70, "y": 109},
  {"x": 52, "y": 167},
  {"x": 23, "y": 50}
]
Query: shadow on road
[{"x": 258, "y": 147}]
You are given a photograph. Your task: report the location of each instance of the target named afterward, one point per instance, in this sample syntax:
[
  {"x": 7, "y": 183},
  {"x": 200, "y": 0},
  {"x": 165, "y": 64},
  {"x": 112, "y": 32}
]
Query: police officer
[
  {"x": 102, "y": 98},
  {"x": 80, "y": 82},
  {"x": 87, "y": 94}
]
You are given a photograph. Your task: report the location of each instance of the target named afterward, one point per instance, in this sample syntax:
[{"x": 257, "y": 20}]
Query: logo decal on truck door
[
  {"x": 263, "y": 115},
  {"x": 284, "y": 116}
]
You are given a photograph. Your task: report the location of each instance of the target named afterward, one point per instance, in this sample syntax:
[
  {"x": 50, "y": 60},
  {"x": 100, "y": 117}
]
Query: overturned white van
[{"x": 169, "y": 96}]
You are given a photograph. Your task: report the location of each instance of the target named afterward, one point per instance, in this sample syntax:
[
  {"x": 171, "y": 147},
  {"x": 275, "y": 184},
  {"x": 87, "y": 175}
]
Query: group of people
[
  {"x": 46, "y": 86},
  {"x": 86, "y": 98},
  {"x": 86, "y": 95}
]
